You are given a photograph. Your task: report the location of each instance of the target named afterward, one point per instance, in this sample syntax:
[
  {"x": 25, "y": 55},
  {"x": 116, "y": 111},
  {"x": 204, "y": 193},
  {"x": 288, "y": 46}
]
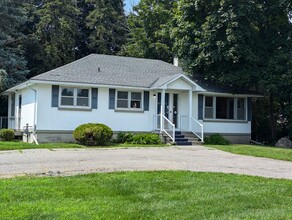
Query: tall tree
[
  {"x": 106, "y": 26},
  {"x": 150, "y": 26},
  {"x": 12, "y": 63},
  {"x": 238, "y": 44},
  {"x": 56, "y": 30}
]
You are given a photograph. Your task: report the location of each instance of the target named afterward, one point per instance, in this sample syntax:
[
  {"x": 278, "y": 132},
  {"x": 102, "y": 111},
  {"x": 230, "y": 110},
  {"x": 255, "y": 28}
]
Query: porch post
[
  {"x": 190, "y": 108},
  {"x": 162, "y": 110}
]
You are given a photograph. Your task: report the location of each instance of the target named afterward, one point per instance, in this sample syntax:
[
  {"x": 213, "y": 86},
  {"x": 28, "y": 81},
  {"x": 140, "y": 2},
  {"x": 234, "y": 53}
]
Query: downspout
[{"x": 34, "y": 114}]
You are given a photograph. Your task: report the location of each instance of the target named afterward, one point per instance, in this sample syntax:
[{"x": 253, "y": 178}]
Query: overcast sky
[{"x": 129, "y": 4}]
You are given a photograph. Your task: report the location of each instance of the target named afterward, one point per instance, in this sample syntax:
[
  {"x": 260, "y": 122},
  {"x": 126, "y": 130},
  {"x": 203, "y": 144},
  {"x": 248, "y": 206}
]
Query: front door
[{"x": 171, "y": 107}]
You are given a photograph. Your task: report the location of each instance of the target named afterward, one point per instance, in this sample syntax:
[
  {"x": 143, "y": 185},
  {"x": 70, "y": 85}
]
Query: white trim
[
  {"x": 129, "y": 100},
  {"x": 235, "y": 99},
  {"x": 74, "y": 98},
  {"x": 229, "y": 94}
]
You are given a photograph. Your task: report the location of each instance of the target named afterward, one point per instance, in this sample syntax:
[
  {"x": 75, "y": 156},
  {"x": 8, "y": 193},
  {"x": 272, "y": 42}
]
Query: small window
[
  {"x": 129, "y": 100},
  {"x": 122, "y": 100},
  {"x": 241, "y": 109},
  {"x": 209, "y": 109},
  {"x": 75, "y": 97},
  {"x": 67, "y": 98}
]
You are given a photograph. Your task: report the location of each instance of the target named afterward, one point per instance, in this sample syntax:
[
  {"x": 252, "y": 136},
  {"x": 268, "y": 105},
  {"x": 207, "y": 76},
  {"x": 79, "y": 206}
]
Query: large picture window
[
  {"x": 129, "y": 100},
  {"x": 225, "y": 108},
  {"x": 75, "y": 97}
]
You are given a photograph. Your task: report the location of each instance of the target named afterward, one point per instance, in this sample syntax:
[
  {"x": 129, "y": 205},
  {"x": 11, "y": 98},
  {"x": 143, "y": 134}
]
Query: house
[{"x": 127, "y": 94}]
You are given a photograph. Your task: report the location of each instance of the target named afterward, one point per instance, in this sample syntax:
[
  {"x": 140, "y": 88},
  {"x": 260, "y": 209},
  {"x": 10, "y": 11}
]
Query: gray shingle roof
[{"x": 114, "y": 70}]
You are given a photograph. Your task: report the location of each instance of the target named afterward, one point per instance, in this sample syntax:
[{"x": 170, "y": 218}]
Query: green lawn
[
  {"x": 257, "y": 151},
  {"x": 146, "y": 195},
  {"x": 4, "y": 145}
]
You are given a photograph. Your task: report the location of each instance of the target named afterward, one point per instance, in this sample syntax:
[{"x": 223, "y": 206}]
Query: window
[
  {"x": 75, "y": 97},
  {"x": 225, "y": 108},
  {"x": 129, "y": 100}
]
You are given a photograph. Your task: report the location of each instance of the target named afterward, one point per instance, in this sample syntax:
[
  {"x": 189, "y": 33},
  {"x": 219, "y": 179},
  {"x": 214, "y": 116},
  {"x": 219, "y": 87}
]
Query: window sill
[
  {"x": 74, "y": 109},
  {"x": 225, "y": 121},
  {"x": 129, "y": 110}
]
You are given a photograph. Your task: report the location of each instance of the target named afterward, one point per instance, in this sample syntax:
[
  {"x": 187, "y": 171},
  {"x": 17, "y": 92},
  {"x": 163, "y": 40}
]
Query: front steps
[{"x": 185, "y": 138}]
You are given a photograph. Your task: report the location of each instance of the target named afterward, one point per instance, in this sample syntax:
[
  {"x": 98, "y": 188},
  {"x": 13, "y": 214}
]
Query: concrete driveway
[{"x": 42, "y": 162}]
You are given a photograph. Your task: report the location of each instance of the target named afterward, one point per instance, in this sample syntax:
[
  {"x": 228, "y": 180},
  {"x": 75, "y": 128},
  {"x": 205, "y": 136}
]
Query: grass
[
  {"x": 5, "y": 145},
  {"x": 146, "y": 195},
  {"x": 257, "y": 151}
]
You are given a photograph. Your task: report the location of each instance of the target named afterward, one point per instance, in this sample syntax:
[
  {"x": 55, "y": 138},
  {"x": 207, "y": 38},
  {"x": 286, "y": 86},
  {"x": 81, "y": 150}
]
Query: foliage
[
  {"x": 7, "y": 134},
  {"x": 257, "y": 151},
  {"x": 106, "y": 25},
  {"x": 150, "y": 27},
  {"x": 216, "y": 139},
  {"x": 242, "y": 44},
  {"x": 93, "y": 134},
  {"x": 12, "y": 64},
  {"x": 56, "y": 31},
  {"x": 146, "y": 195},
  {"x": 125, "y": 137},
  {"x": 146, "y": 139}
]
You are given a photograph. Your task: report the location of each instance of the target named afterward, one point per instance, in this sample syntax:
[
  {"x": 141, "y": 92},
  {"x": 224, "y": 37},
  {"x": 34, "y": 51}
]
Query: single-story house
[{"x": 127, "y": 94}]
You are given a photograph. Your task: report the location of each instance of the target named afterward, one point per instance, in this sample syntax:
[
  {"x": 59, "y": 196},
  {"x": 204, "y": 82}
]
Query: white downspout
[{"x": 34, "y": 114}]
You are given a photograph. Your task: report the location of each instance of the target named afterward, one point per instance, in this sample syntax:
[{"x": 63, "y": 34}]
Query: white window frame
[
  {"x": 235, "y": 101},
  {"x": 74, "y": 106},
  {"x": 129, "y": 100}
]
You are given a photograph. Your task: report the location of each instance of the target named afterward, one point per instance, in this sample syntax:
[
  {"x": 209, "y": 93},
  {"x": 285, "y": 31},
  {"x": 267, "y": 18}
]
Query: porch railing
[
  {"x": 168, "y": 128},
  {"x": 197, "y": 128}
]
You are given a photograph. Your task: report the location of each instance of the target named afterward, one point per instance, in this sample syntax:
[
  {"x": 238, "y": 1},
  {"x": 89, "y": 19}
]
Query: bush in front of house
[
  {"x": 92, "y": 134},
  {"x": 7, "y": 134},
  {"x": 216, "y": 139},
  {"x": 146, "y": 139},
  {"x": 125, "y": 137}
]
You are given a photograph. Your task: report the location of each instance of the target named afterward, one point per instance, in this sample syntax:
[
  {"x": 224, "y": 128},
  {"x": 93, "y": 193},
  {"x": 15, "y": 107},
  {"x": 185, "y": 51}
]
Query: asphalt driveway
[{"x": 42, "y": 162}]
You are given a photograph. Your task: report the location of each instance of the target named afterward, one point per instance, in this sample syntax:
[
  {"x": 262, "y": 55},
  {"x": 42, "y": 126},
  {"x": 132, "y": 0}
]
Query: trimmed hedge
[
  {"x": 7, "y": 134},
  {"x": 216, "y": 139},
  {"x": 93, "y": 134}
]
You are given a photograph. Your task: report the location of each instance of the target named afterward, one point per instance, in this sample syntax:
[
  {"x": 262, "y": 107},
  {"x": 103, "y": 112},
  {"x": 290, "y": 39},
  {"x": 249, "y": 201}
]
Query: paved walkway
[{"x": 194, "y": 158}]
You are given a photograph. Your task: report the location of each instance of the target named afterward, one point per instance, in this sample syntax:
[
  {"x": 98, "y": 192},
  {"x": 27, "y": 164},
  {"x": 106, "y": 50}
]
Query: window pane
[
  {"x": 67, "y": 101},
  {"x": 135, "y": 104},
  {"x": 208, "y": 112},
  {"x": 82, "y": 92},
  {"x": 224, "y": 108},
  {"x": 209, "y": 101},
  {"x": 122, "y": 103},
  {"x": 67, "y": 92},
  {"x": 136, "y": 95},
  {"x": 122, "y": 95},
  {"x": 82, "y": 102},
  {"x": 240, "y": 109}
]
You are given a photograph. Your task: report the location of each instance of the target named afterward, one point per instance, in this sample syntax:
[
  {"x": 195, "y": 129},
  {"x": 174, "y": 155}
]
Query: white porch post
[
  {"x": 162, "y": 110},
  {"x": 190, "y": 108}
]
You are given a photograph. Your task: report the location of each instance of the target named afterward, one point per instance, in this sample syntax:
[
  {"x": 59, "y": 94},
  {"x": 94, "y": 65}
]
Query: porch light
[{"x": 154, "y": 96}]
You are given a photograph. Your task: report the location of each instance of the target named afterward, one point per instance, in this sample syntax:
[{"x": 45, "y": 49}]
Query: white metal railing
[
  {"x": 197, "y": 128},
  {"x": 168, "y": 128}
]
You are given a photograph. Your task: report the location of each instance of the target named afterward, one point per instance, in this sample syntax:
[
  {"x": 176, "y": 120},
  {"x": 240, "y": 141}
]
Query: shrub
[
  {"x": 216, "y": 139},
  {"x": 7, "y": 134},
  {"x": 125, "y": 137},
  {"x": 93, "y": 134},
  {"x": 146, "y": 139}
]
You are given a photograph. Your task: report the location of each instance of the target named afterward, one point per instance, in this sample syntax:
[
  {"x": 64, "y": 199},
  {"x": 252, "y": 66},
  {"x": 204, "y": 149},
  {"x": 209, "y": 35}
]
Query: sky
[{"x": 129, "y": 3}]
